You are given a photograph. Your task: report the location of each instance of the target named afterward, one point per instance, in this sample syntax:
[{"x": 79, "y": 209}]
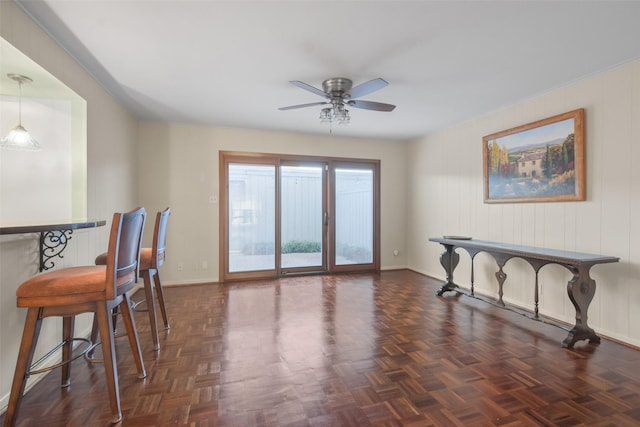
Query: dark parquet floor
[{"x": 349, "y": 350}]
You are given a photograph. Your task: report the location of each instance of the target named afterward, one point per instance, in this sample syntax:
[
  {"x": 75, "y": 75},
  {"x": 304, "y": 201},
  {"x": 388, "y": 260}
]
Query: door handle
[{"x": 326, "y": 219}]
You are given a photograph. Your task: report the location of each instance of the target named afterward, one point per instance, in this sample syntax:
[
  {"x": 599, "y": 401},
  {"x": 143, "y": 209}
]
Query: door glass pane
[
  {"x": 354, "y": 216},
  {"x": 251, "y": 217},
  {"x": 301, "y": 216}
]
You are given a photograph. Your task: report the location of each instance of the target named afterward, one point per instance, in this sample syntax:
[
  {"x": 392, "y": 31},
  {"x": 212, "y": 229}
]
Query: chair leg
[
  {"x": 132, "y": 334},
  {"x": 114, "y": 319},
  {"x": 151, "y": 308},
  {"x": 94, "y": 336},
  {"x": 160, "y": 293},
  {"x": 68, "y": 323},
  {"x": 32, "y": 326},
  {"x": 109, "y": 354}
]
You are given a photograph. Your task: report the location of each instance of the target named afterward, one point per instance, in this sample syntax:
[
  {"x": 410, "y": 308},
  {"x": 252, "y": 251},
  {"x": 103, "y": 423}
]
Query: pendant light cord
[{"x": 20, "y": 102}]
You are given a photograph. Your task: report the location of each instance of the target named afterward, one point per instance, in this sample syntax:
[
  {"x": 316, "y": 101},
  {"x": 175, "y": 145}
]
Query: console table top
[{"x": 556, "y": 255}]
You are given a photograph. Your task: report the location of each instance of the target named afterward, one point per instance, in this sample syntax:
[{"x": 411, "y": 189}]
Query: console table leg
[
  {"x": 536, "y": 296},
  {"x": 501, "y": 260},
  {"x": 472, "y": 278},
  {"x": 501, "y": 276},
  {"x": 581, "y": 289},
  {"x": 449, "y": 260}
]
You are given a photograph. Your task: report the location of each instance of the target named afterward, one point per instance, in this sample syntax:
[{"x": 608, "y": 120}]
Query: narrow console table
[
  {"x": 53, "y": 237},
  {"x": 581, "y": 288}
]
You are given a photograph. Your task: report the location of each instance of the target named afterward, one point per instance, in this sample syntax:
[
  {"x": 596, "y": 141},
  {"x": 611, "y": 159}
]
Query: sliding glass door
[
  {"x": 251, "y": 217},
  {"x": 354, "y": 214},
  {"x": 283, "y": 215},
  {"x": 302, "y": 217}
]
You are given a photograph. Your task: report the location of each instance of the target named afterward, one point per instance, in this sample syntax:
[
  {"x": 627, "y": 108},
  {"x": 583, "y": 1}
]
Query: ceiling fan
[{"x": 339, "y": 93}]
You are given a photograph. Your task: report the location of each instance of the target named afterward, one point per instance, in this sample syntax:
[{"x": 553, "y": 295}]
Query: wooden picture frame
[{"x": 541, "y": 161}]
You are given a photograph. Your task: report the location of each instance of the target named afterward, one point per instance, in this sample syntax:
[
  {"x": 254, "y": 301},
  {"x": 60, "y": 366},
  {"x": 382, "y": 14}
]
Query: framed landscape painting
[{"x": 541, "y": 161}]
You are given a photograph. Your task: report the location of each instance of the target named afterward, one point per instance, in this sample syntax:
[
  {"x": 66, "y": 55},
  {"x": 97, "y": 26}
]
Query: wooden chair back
[
  {"x": 123, "y": 255},
  {"x": 160, "y": 238}
]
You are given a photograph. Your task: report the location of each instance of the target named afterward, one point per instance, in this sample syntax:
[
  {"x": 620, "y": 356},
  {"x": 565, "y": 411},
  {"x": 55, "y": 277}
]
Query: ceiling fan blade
[
  {"x": 367, "y": 87},
  {"x": 303, "y": 85},
  {"x": 293, "y": 107},
  {"x": 371, "y": 105}
]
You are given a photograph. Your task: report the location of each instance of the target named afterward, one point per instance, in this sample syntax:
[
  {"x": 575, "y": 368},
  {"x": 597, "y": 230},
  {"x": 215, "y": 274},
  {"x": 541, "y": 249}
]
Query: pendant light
[{"x": 18, "y": 138}]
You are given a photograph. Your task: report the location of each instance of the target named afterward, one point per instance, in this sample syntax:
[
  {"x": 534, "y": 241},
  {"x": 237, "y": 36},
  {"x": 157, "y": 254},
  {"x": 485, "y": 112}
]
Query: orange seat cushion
[
  {"x": 66, "y": 281},
  {"x": 145, "y": 258},
  {"x": 101, "y": 259}
]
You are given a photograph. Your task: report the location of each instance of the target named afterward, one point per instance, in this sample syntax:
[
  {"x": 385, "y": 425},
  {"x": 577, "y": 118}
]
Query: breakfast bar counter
[{"x": 54, "y": 236}]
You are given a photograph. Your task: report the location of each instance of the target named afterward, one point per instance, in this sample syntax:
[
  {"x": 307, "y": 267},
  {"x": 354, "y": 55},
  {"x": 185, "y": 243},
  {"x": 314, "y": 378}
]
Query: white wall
[
  {"x": 111, "y": 184},
  {"x": 179, "y": 168},
  {"x": 46, "y": 173},
  {"x": 445, "y": 196}
]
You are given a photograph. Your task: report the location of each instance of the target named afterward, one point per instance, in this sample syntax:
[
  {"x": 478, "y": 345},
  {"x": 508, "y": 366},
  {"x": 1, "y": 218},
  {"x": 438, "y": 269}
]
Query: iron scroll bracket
[{"x": 52, "y": 244}]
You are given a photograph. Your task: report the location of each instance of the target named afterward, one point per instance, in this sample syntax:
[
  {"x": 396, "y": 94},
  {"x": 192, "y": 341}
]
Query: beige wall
[
  {"x": 179, "y": 168},
  {"x": 111, "y": 184},
  {"x": 446, "y": 197}
]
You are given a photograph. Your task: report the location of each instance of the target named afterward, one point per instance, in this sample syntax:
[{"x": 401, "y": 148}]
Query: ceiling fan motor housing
[{"x": 337, "y": 86}]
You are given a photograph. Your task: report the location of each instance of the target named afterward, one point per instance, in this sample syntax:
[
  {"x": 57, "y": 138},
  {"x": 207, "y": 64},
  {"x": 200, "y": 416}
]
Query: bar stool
[
  {"x": 151, "y": 259},
  {"x": 71, "y": 291}
]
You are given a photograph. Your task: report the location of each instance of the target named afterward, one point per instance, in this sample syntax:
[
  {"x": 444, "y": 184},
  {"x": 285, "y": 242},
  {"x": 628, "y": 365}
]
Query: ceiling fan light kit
[
  {"x": 339, "y": 92},
  {"x": 335, "y": 114}
]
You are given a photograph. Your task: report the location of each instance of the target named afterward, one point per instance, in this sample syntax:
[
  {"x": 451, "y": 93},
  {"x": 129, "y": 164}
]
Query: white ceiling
[{"x": 228, "y": 63}]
